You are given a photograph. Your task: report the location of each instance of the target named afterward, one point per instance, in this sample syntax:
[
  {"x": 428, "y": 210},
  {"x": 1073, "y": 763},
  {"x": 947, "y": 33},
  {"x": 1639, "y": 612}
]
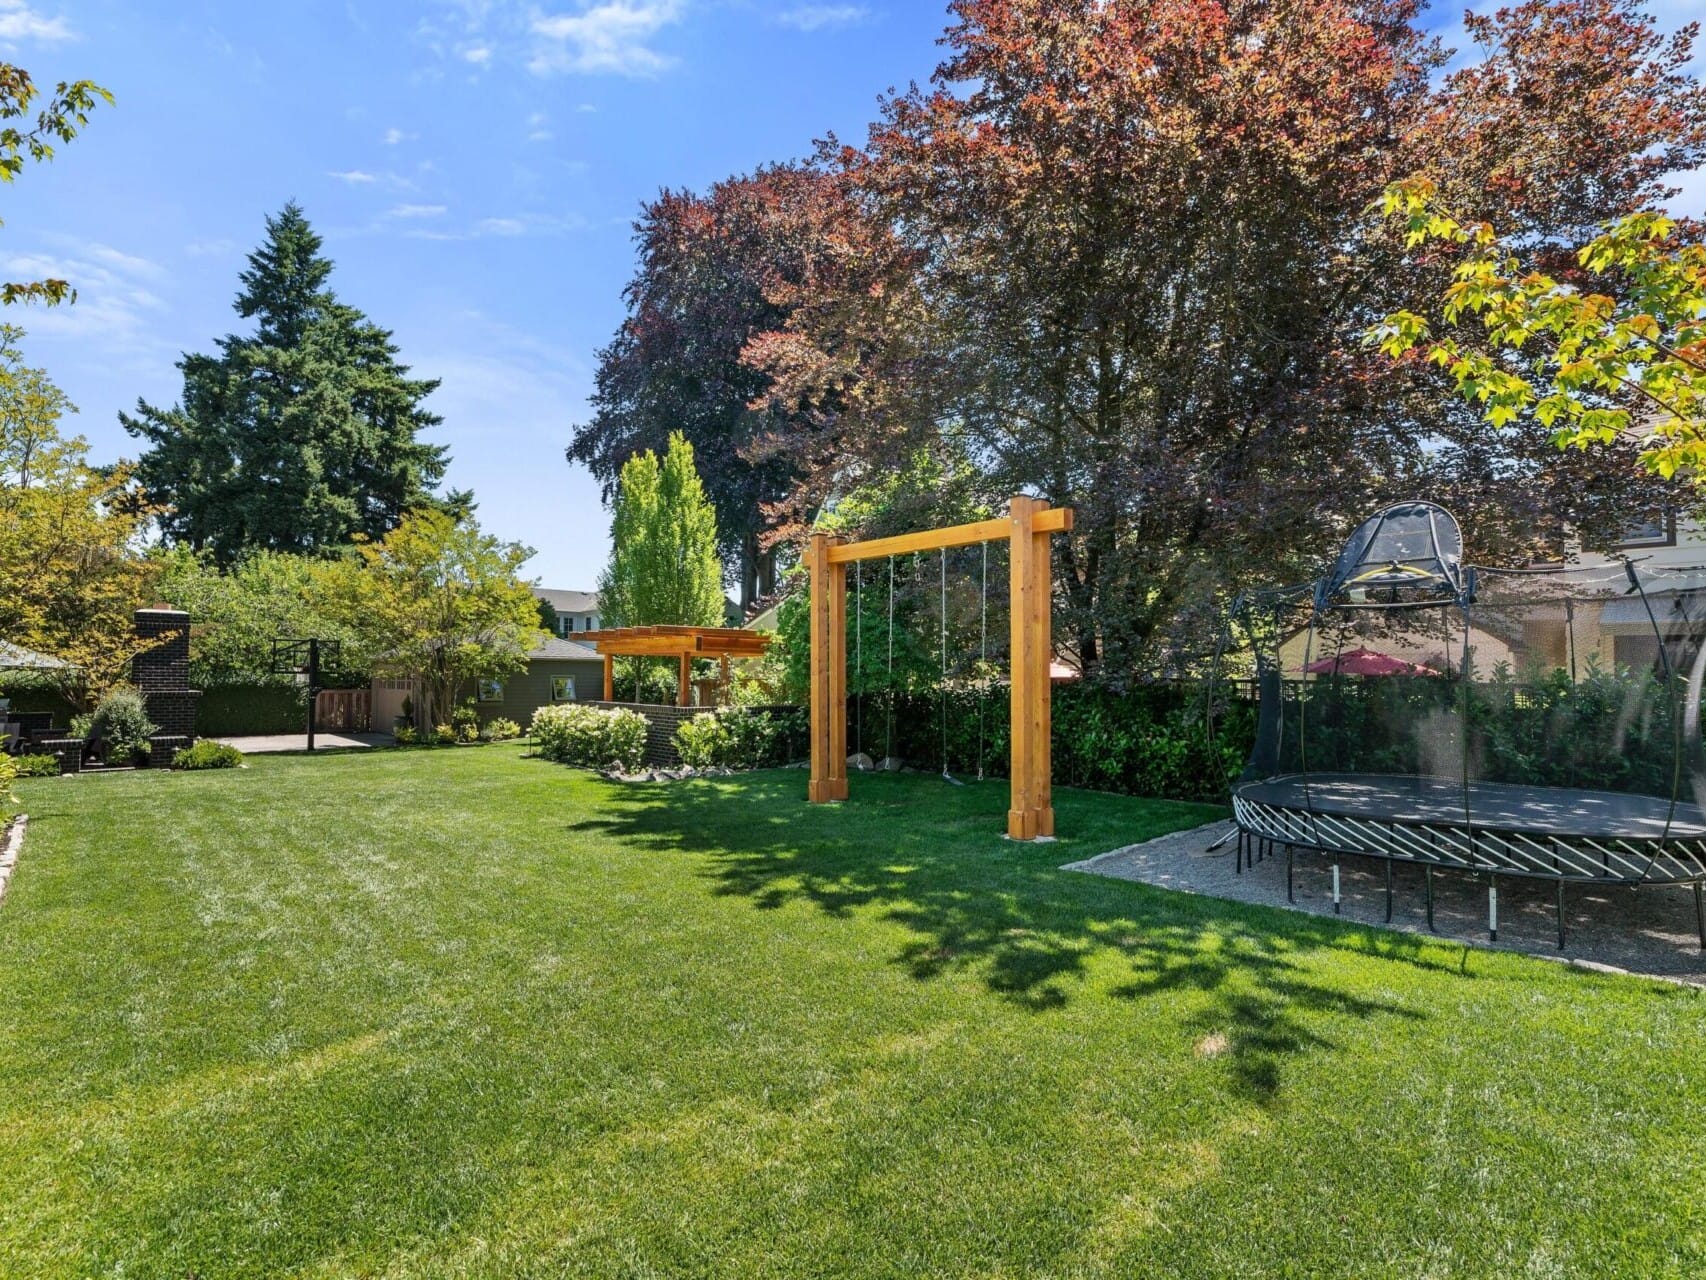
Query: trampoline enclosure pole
[
  {"x": 1335, "y": 888},
  {"x": 1493, "y": 909}
]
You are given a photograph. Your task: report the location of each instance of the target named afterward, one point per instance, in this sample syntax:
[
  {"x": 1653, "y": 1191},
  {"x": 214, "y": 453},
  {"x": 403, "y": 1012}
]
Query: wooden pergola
[{"x": 681, "y": 643}]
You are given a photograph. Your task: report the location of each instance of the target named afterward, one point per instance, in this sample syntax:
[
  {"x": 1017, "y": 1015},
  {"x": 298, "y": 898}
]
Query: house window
[
  {"x": 562, "y": 688},
  {"x": 1658, "y": 531},
  {"x": 491, "y": 691}
]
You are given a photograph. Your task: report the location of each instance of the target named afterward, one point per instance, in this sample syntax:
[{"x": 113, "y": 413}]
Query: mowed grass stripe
[{"x": 463, "y": 1013}]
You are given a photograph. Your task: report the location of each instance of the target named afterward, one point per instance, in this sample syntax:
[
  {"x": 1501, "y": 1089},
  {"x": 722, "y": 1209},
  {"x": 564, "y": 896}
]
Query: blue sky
[{"x": 474, "y": 166}]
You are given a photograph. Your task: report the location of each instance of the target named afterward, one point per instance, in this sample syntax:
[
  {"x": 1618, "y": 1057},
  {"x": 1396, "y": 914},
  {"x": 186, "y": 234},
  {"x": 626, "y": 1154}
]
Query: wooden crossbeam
[
  {"x": 1048, "y": 520},
  {"x": 677, "y": 642}
]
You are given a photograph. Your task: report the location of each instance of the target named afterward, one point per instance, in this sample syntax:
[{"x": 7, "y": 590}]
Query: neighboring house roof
[
  {"x": 568, "y": 601},
  {"x": 558, "y": 650},
  {"x": 14, "y": 657}
]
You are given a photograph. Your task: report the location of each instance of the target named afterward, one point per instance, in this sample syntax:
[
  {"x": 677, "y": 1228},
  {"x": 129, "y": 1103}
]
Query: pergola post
[
  {"x": 683, "y": 679},
  {"x": 1032, "y": 805},
  {"x": 829, "y": 673},
  {"x": 610, "y": 677}
]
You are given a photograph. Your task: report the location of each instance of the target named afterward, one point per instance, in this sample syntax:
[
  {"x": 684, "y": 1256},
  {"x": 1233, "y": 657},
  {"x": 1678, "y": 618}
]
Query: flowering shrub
[
  {"x": 733, "y": 738},
  {"x": 8, "y": 772},
  {"x": 499, "y": 729},
  {"x": 590, "y": 736}
]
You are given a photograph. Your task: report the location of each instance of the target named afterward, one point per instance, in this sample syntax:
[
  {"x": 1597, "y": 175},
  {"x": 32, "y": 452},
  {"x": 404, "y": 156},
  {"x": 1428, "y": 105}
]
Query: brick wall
[{"x": 661, "y": 724}]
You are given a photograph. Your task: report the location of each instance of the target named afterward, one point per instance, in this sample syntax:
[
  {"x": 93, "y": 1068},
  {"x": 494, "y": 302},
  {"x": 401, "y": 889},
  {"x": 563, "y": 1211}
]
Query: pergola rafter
[{"x": 681, "y": 643}]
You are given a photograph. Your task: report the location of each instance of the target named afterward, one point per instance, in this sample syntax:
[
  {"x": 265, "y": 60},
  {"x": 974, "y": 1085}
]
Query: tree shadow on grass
[{"x": 928, "y": 858}]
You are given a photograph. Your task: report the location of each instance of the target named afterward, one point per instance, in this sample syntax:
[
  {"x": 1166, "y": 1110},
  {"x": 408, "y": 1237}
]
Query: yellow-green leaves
[{"x": 1628, "y": 354}]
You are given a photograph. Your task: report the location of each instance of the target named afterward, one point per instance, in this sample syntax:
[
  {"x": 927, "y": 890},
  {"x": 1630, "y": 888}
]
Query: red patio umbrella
[{"x": 1366, "y": 662}]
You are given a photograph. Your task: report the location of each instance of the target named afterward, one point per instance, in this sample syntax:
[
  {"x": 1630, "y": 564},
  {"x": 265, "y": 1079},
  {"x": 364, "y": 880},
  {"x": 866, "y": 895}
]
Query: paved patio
[
  {"x": 273, "y": 743},
  {"x": 1648, "y": 931}
]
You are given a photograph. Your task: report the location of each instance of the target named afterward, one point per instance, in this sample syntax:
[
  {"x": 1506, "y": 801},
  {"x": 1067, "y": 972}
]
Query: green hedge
[
  {"x": 1150, "y": 740},
  {"x": 233, "y": 710}
]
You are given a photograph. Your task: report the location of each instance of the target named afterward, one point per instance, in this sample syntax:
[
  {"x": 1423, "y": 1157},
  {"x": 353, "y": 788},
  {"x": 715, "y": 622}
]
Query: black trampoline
[{"x": 1534, "y": 723}]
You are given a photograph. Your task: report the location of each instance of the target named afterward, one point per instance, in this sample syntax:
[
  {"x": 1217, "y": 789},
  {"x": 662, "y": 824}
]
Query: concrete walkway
[
  {"x": 273, "y": 743},
  {"x": 1648, "y": 931}
]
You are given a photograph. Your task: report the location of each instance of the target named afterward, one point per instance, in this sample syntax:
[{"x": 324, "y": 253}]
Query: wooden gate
[{"x": 343, "y": 710}]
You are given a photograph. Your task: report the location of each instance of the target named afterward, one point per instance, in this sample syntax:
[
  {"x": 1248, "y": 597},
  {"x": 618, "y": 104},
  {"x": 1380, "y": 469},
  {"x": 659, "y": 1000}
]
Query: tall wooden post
[
  {"x": 829, "y": 673},
  {"x": 1032, "y": 811},
  {"x": 684, "y": 682},
  {"x": 610, "y": 677}
]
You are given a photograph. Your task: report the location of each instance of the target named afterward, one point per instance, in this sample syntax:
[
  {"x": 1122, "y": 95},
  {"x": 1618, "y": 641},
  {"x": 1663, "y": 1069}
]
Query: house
[
  {"x": 558, "y": 670},
  {"x": 572, "y": 611}
]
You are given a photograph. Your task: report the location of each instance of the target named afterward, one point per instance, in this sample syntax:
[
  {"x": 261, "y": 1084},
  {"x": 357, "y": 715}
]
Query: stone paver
[{"x": 1649, "y": 930}]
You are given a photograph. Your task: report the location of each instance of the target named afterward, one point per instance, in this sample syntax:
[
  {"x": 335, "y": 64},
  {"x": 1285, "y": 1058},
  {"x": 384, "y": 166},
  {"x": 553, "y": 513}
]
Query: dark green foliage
[
  {"x": 37, "y": 766},
  {"x": 1611, "y": 730},
  {"x": 299, "y": 436},
  {"x": 1152, "y": 740},
  {"x": 208, "y": 754},
  {"x": 33, "y": 691},
  {"x": 121, "y": 725},
  {"x": 230, "y": 711}
]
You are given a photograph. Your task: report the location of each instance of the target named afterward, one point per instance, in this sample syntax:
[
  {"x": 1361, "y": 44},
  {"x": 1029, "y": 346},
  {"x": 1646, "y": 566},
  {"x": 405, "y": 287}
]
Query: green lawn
[{"x": 462, "y": 1013}]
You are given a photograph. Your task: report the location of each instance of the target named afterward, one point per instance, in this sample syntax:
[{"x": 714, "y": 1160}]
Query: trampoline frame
[{"x": 1473, "y": 848}]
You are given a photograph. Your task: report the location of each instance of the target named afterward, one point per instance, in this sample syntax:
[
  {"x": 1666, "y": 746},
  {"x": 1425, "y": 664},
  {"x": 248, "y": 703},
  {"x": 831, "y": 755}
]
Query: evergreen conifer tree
[{"x": 295, "y": 437}]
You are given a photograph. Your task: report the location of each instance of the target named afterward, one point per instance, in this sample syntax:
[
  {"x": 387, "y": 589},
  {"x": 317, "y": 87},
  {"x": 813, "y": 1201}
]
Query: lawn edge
[{"x": 11, "y": 849}]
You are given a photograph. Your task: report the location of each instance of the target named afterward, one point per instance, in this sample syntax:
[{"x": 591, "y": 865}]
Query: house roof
[
  {"x": 568, "y": 601},
  {"x": 558, "y": 650},
  {"x": 14, "y": 657}
]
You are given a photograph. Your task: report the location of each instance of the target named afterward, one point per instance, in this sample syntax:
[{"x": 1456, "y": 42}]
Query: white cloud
[
  {"x": 367, "y": 178},
  {"x": 817, "y": 17},
  {"x": 506, "y": 227},
  {"x": 418, "y": 211},
  {"x": 586, "y": 108},
  {"x": 18, "y": 21},
  {"x": 479, "y": 55},
  {"x": 115, "y": 305},
  {"x": 609, "y": 37},
  {"x": 209, "y": 248},
  {"x": 391, "y": 137},
  {"x": 539, "y": 127}
]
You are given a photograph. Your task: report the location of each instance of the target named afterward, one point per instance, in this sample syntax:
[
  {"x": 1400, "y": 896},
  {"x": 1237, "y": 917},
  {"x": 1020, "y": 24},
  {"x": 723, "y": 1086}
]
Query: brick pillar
[{"x": 162, "y": 671}]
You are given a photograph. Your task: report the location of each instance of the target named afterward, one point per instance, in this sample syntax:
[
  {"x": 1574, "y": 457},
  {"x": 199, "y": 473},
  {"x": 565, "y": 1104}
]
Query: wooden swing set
[{"x": 1029, "y": 525}]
